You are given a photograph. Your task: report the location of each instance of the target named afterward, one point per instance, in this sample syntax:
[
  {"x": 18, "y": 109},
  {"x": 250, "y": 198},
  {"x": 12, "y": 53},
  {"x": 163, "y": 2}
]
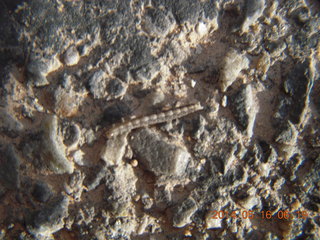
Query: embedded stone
[
  {"x": 114, "y": 150},
  {"x": 116, "y": 87},
  {"x": 122, "y": 188},
  {"x": 244, "y": 109},
  {"x": 9, "y": 170},
  {"x": 287, "y": 134},
  {"x": 98, "y": 84},
  {"x": 158, "y": 22},
  {"x": 234, "y": 63},
  {"x": 9, "y": 123},
  {"x": 50, "y": 218},
  {"x": 298, "y": 86},
  {"x": 157, "y": 155},
  {"x": 55, "y": 150},
  {"x": 183, "y": 214},
  {"x": 254, "y": 10},
  {"x": 41, "y": 192},
  {"x": 71, "y": 56}
]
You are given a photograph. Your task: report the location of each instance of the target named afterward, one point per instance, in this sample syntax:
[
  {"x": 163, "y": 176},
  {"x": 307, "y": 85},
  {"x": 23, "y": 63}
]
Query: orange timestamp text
[{"x": 249, "y": 214}]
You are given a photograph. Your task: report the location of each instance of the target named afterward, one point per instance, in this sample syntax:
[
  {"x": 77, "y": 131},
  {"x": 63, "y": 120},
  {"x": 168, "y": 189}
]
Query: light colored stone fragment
[
  {"x": 212, "y": 223},
  {"x": 234, "y": 63},
  {"x": 71, "y": 56},
  {"x": 55, "y": 148},
  {"x": 114, "y": 150}
]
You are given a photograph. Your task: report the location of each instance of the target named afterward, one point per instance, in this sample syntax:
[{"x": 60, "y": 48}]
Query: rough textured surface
[
  {"x": 99, "y": 139},
  {"x": 49, "y": 219},
  {"x": 159, "y": 156}
]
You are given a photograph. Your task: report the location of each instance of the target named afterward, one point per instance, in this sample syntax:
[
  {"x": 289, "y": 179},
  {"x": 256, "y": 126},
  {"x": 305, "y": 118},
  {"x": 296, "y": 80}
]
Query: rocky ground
[{"x": 244, "y": 165}]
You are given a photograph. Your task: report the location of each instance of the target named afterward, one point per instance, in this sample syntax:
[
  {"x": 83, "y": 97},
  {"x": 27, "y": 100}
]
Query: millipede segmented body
[{"x": 153, "y": 119}]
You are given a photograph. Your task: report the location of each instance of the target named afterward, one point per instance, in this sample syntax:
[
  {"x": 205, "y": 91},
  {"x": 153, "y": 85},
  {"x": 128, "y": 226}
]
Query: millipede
[{"x": 153, "y": 119}]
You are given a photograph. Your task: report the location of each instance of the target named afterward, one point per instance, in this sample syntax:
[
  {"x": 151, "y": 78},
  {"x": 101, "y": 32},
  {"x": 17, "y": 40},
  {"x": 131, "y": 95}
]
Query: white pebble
[{"x": 71, "y": 57}]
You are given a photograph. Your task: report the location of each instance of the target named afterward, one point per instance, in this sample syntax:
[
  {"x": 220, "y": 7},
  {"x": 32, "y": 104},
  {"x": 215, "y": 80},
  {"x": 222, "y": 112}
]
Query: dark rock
[
  {"x": 70, "y": 132},
  {"x": 9, "y": 37},
  {"x": 243, "y": 108},
  {"x": 304, "y": 38},
  {"x": 250, "y": 157},
  {"x": 2, "y": 192},
  {"x": 146, "y": 72},
  {"x": 254, "y": 9},
  {"x": 184, "y": 212},
  {"x": 312, "y": 206},
  {"x": 313, "y": 41},
  {"x": 292, "y": 165},
  {"x": 9, "y": 171},
  {"x": 269, "y": 154},
  {"x": 115, "y": 112},
  {"x": 183, "y": 10},
  {"x": 116, "y": 87},
  {"x": 310, "y": 229},
  {"x": 269, "y": 203},
  {"x": 49, "y": 219},
  {"x": 140, "y": 52},
  {"x": 200, "y": 127},
  {"x": 158, "y": 22},
  {"x": 317, "y": 103},
  {"x": 9, "y": 124},
  {"x": 300, "y": 15},
  {"x": 210, "y": 10},
  {"x": 123, "y": 73},
  {"x": 186, "y": 10},
  {"x": 275, "y": 48},
  {"x": 315, "y": 197},
  {"x": 13, "y": 4},
  {"x": 239, "y": 108},
  {"x": 245, "y": 196},
  {"x": 287, "y": 134},
  {"x": 44, "y": 21},
  {"x": 256, "y": 234},
  {"x": 147, "y": 202},
  {"x": 297, "y": 82},
  {"x": 222, "y": 161},
  {"x": 283, "y": 110},
  {"x": 41, "y": 192},
  {"x": 311, "y": 181},
  {"x": 298, "y": 86},
  {"x": 235, "y": 176},
  {"x": 100, "y": 173},
  {"x": 157, "y": 155},
  {"x": 162, "y": 197}
]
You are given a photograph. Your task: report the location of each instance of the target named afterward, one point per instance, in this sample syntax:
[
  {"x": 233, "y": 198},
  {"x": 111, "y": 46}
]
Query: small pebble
[
  {"x": 136, "y": 198},
  {"x": 187, "y": 233},
  {"x": 224, "y": 101},
  {"x": 71, "y": 57},
  {"x": 134, "y": 163}
]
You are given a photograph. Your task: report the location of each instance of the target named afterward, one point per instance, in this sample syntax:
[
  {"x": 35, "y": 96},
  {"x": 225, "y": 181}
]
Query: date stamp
[{"x": 249, "y": 214}]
